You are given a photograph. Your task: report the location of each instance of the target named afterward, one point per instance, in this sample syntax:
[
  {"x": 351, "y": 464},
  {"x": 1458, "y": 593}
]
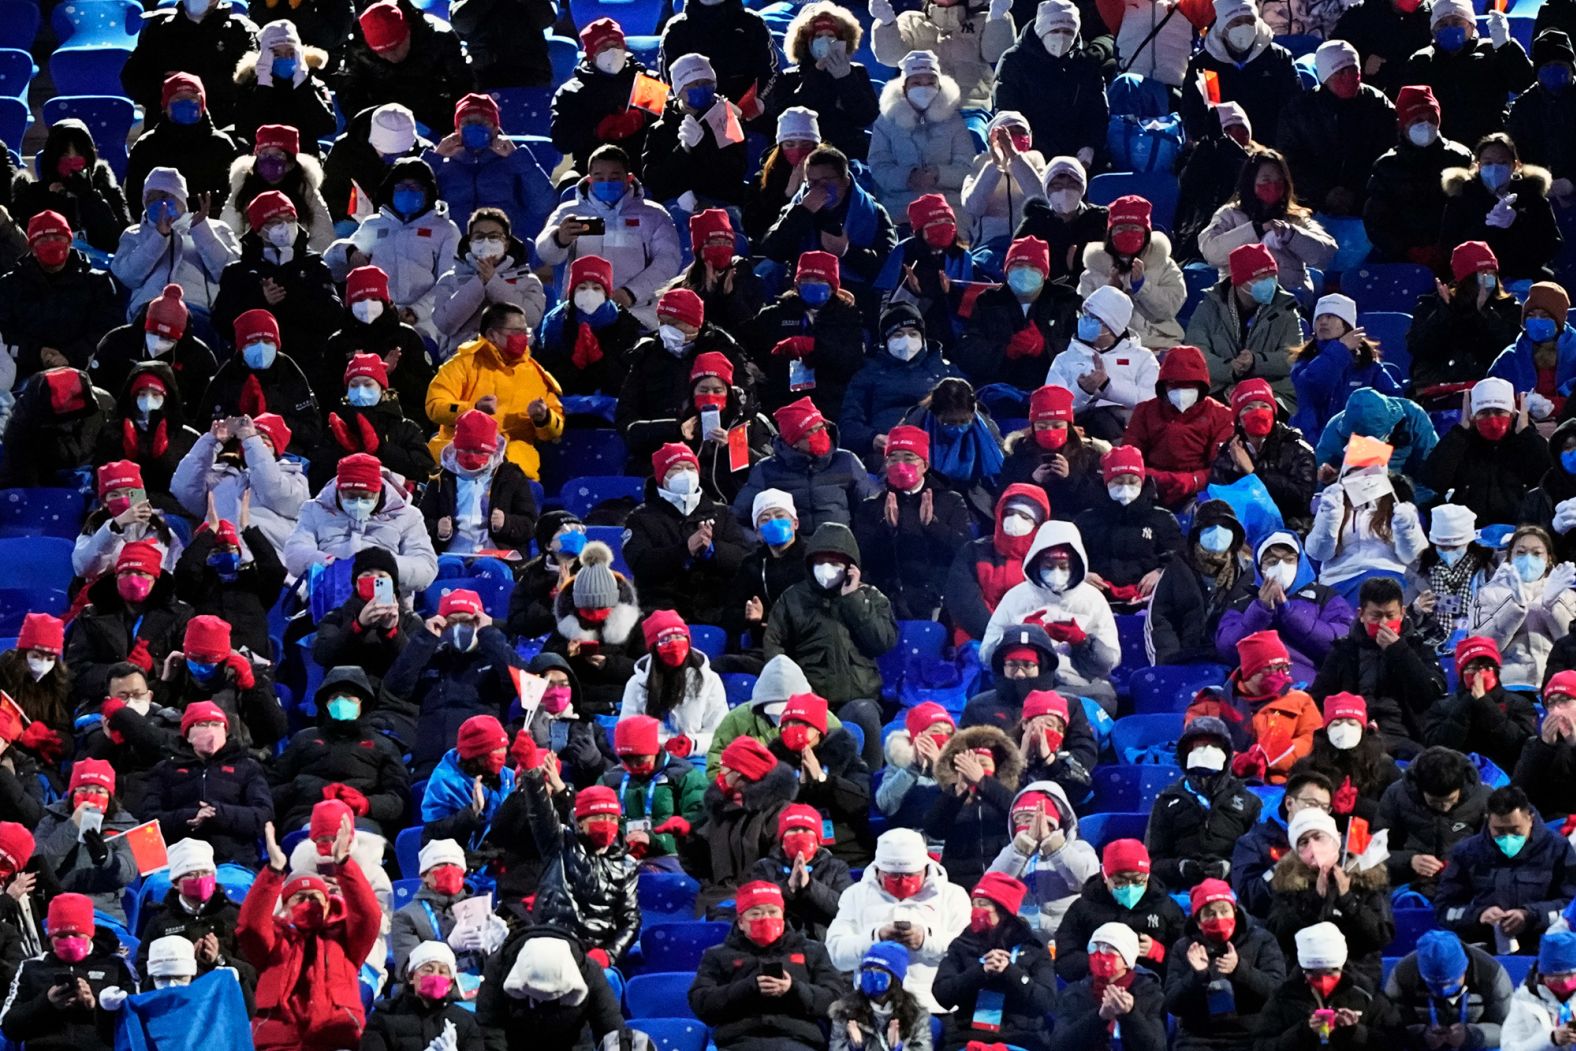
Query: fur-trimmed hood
[
  {"x": 1009, "y": 761},
  {"x": 311, "y": 172},
  {"x": 857, "y": 1009},
  {"x": 899, "y": 750},
  {"x": 1294, "y": 875},
  {"x": 307, "y": 195},
  {"x": 1530, "y": 179},
  {"x": 895, "y": 108},
  {"x": 246, "y": 69},
  {"x": 614, "y": 631},
  {"x": 796, "y": 41},
  {"x": 777, "y": 788}
]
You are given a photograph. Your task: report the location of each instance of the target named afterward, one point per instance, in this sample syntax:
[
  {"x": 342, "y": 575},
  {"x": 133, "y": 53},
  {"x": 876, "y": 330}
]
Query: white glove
[
  {"x": 1332, "y": 498},
  {"x": 1498, "y": 29},
  {"x": 111, "y": 997},
  {"x": 1503, "y": 213},
  {"x": 690, "y": 132},
  {"x": 1559, "y": 581},
  {"x": 493, "y": 935},
  {"x": 1539, "y": 407},
  {"x": 265, "y": 71},
  {"x": 881, "y": 11},
  {"x": 998, "y": 10},
  {"x": 1565, "y": 516},
  {"x": 1085, "y": 156},
  {"x": 448, "y": 1040}
]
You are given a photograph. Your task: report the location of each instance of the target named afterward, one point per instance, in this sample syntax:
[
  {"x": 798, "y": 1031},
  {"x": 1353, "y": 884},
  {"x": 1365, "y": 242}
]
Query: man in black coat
[
  {"x": 1482, "y": 716},
  {"x": 810, "y": 877},
  {"x": 1144, "y": 906},
  {"x": 381, "y": 428},
  {"x": 1489, "y": 469},
  {"x": 1061, "y": 94},
  {"x": 734, "y": 37},
  {"x": 1332, "y": 135},
  {"x": 159, "y": 331},
  {"x": 1472, "y": 78},
  {"x": 1196, "y": 821},
  {"x": 1012, "y": 336},
  {"x": 1406, "y": 201},
  {"x": 193, "y": 146},
  {"x": 211, "y": 576},
  {"x": 1438, "y": 802},
  {"x": 1321, "y": 981},
  {"x": 55, "y": 306},
  {"x": 1128, "y": 536},
  {"x": 207, "y": 45},
  {"x": 1222, "y": 972},
  {"x": 1252, "y": 71},
  {"x": 398, "y": 54},
  {"x": 1386, "y": 34},
  {"x": 275, "y": 384},
  {"x": 684, "y": 153},
  {"x": 506, "y": 40},
  {"x": 1445, "y": 984},
  {"x": 363, "y": 632},
  {"x": 1542, "y": 120},
  {"x": 591, "y": 108}
]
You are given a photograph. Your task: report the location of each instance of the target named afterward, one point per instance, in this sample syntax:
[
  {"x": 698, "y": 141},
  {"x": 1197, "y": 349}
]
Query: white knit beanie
[
  {"x": 1452, "y": 525},
  {"x": 1227, "y": 10},
  {"x": 1331, "y": 57},
  {"x": 772, "y": 500},
  {"x": 1067, "y": 166},
  {"x": 687, "y": 69},
  {"x": 916, "y": 63},
  {"x": 1056, "y": 14},
  {"x": 172, "y": 956},
  {"x": 1112, "y": 306},
  {"x": 281, "y": 31},
  {"x": 1118, "y": 936},
  {"x": 439, "y": 852},
  {"x": 428, "y": 952},
  {"x": 165, "y": 180},
  {"x": 1310, "y": 820},
  {"x": 798, "y": 122},
  {"x": 190, "y": 855},
  {"x": 1343, "y": 307},
  {"x": 393, "y": 130},
  {"x": 901, "y": 850},
  {"x": 1445, "y": 8},
  {"x": 1493, "y": 393},
  {"x": 1321, "y": 947}
]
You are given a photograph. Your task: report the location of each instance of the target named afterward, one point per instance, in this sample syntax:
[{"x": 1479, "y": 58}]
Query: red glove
[
  {"x": 252, "y": 402},
  {"x": 349, "y": 796},
  {"x": 794, "y": 347},
  {"x": 750, "y": 104},
  {"x": 1027, "y": 342},
  {"x": 140, "y": 656},
  {"x": 620, "y": 125},
  {"x": 369, "y": 437},
  {"x": 679, "y": 746},
  {"x": 588, "y": 349},
  {"x": 637, "y": 849},
  {"x": 1124, "y": 592},
  {"x": 1569, "y": 826},
  {"x": 242, "y": 669},
  {"x": 599, "y": 957},
  {"x": 341, "y": 433},
  {"x": 524, "y": 751},
  {"x": 1251, "y": 765},
  {"x": 42, "y": 741},
  {"x": 674, "y": 825},
  {"x": 1066, "y": 631},
  {"x": 1157, "y": 950},
  {"x": 1345, "y": 798},
  {"x": 111, "y": 706}
]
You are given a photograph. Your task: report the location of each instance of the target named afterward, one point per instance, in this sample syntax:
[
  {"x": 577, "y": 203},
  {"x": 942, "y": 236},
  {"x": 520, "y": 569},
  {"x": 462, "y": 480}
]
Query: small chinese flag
[
  {"x": 147, "y": 847},
  {"x": 1358, "y": 837},
  {"x": 648, "y": 93},
  {"x": 1363, "y": 451},
  {"x": 1211, "y": 87},
  {"x": 1501, "y": 5},
  {"x": 739, "y": 447}
]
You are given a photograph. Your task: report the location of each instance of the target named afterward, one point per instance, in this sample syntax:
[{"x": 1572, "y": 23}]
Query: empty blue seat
[
  {"x": 613, "y": 537},
  {"x": 564, "y": 54},
  {"x": 86, "y": 24},
  {"x": 666, "y": 897},
  {"x": 1099, "y": 829},
  {"x": 407, "y": 850},
  {"x": 739, "y": 686},
  {"x": 88, "y": 70},
  {"x": 709, "y": 639},
  {"x": 109, "y": 119},
  {"x": 674, "y": 1034},
  {"x": 646, "y": 48},
  {"x": 16, "y": 72},
  {"x": 1351, "y": 239},
  {"x": 14, "y": 119},
  {"x": 19, "y": 21},
  {"x": 1516, "y": 967},
  {"x": 1199, "y": 279},
  {"x": 1388, "y": 329},
  {"x": 1387, "y": 286},
  {"x": 1299, "y": 44},
  {"x": 663, "y": 993},
  {"x": 548, "y": 157},
  {"x": 678, "y": 946},
  {"x": 1410, "y": 925},
  {"x": 634, "y": 16},
  {"x": 1129, "y": 789},
  {"x": 36, "y": 562},
  {"x": 581, "y": 453},
  {"x": 1270, "y": 796},
  {"x": 580, "y": 495},
  {"x": 1170, "y": 687},
  {"x": 46, "y": 512},
  {"x": 1158, "y": 188},
  {"x": 525, "y": 111},
  {"x": 1134, "y": 733}
]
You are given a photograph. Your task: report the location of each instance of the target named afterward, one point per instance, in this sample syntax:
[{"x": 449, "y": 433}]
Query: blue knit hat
[
  {"x": 1557, "y": 953},
  {"x": 890, "y": 956},
  {"x": 1440, "y": 957}
]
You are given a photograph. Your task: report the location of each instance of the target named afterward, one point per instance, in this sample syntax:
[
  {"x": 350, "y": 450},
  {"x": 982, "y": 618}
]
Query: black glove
[
  {"x": 1217, "y": 869},
  {"x": 1188, "y": 869},
  {"x": 98, "y": 850}
]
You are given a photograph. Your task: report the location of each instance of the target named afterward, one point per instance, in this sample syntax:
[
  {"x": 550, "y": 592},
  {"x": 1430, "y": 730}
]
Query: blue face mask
[
  {"x": 1025, "y": 280},
  {"x": 409, "y": 201},
  {"x": 363, "y": 396},
  {"x": 259, "y": 355},
  {"x": 873, "y": 981},
  {"x": 1451, "y": 38},
  {"x": 572, "y": 542},
  {"x": 1128, "y": 897},
  {"x": 344, "y": 709},
  {"x": 460, "y": 636},
  {"x": 776, "y": 531},
  {"x": 1541, "y": 329},
  {"x": 1451, "y": 555},
  {"x": 202, "y": 671},
  {"x": 185, "y": 111},
  {"x": 1494, "y": 175},
  {"x": 1568, "y": 460},
  {"x": 955, "y": 430},
  {"x": 608, "y": 192},
  {"x": 1510, "y": 844},
  {"x": 476, "y": 136},
  {"x": 700, "y": 98},
  {"x": 162, "y": 211},
  {"x": 1215, "y": 539},
  {"x": 1529, "y": 567},
  {"x": 1554, "y": 76},
  {"x": 1089, "y": 328},
  {"x": 284, "y": 67},
  {"x": 1487, "y": 280},
  {"x": 1263, "y": 290},
  {"x": 225, "y": 563},
  {"x": 815, "y": 294}
]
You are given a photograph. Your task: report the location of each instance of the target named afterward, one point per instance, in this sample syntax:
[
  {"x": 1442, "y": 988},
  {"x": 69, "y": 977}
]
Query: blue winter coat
[
  {"x": 1541, "y": 879},
  {"x": 1325, "y": 380},
  {"x": 883, "y": 390},
  {"x": 1399, "y": 421},
  {"x": 473, "y": 179},
  {"x": 1516, "y": 365},
  {"x": 448, "y": 687}
]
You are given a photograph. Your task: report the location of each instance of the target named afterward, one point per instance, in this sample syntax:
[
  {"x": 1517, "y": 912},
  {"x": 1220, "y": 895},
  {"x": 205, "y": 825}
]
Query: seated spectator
[
  {"x": 1247, "y": 325},
  {"x": 205, "y": 39},
  {"x": 247, "y": 461},
  {"x": 782, "y": 171},
  {"x": 278, "y": 274},
  {"x": 780, "y": 679},
  {"x": 652, "y": 784},
  {"x": 744, "y": 1004},
  {"x": 1501, "y": 201},
  {"x": 1208, "y": 174},
  {"x": 1122, "y": 893},
  {"x": 1055, "y": 79},
  {"x": 275, "y": 164},
  {"x": 739, "y": 819},
  {"x": 197, "y": 911},
  {"x": 373, "y": 139},
  {"x": 343, "y": 757},
  {"x": 1406, "y": 198},
  {"x": 1463, "y": 70},
  {"x": 1196, "y": 820},
  {"x": 1336, "y": 361},
  {"x": 1051, "y": 454},
  {"x": 1548, "y": 502},
  {"x": 259, "y": 380},
  {"x": 1482, "y": 716},
  {"x": 143, "y": 734},
  {"x": 1399, "y": 422},
  {"x": 1536, "y": 1006},
  {"x": 1468, "y": 459},
  {"x": 676, "y": 685},
  {"x": 1327, "y": 992},
  {"x": 560, "y": 537},
  {"x": 1547, "y": 344},
  {"x": 477, "y": 165},
  {"x": 490, "y": 266},
  {"x": 1180, "y": 434},
  {"x": 1074, "y": 613},
  {"x": 810, "y": 877},
  {"x": 1479, "y": 898},
  {"x": 908, "y": 789},
  {"x": 1363, "y": 530},
  {"x": 1438, "y": 802},
  {"x": 1443, "y": 976},
  {"x": 826, "y": 483},
  {"x": 931, "y": 267},
  {"x": 681, "y": 161},
  {"x": 55, "y": 305},
  {"x": 160, "y": 332},
  {"x": 999, "y": 956},
  {"x": 216, "y": 577},
  {"x": 970, "y": 42},
  {"x": 832, "y": 778},
  {"x": 363, "y": 507},
  {"x": 1249, "y": 69},
  {"x": 124, "y": 516},
  {"x": 1006, "y": 177},
  {"x": 904, "y": 897},
  {"x": 766, "y": 573},
  {"x": 1265, "y": 211},
  {"x": 46, "y": 1011},
  {"x": 284, "y": 82},
  {"x": 369, "y": 324},
  {"x": 428, "y": 1007},
  {"x": 72, "y": 182},
  {"x": 1014, "y": 331},
  {"x": 211, "y": 789},
  {"x": 835, "y": 626},
  {"x": 1525, "y": 605},
  {"x": 1223, "y": 972},
  {"x": 1135, "y": 258},
  {"x": 478, "y": 501},
  {"x": 33, "y": 675},
  {"x": 810, "y": 338},
  {"x": 1460, "y": 331},
  {"x": 1547, "y": 755},
  {"x": 1385, "y": 36},
  {"x": 1311, "y": 885},
  {"x": 728, "y": 288},
  {"x": 1105, "y": 367},
  {"x": 1384, "y": 660},
  {"x": 186, "y": 138},
  {"x": 1026, "y": 664},
  {"x": 984, "y": 570},
  {"x": 1117, "y": 992},
  {"x": 1255, "y": 855},
  {"x": 1352, "y": 758},
  {"x": 1307, "y": 616},
  {"x": 132, "y": 614},
  {"x": 369, "y": 419},
  {"x": 210, "y": 667},
  {"x": 1205, "y": 577},
  {"x": 1446, "y": 578},
  {"x": 591, "y": 108},
  {"x": 879, "y": 1007},
  {"x": 475, "y": 766},
  {"x": 148, "y": 429},
  {"x": 1539, "y": 112},
  {"x": 582, "y": 751},
  {"x": 1045, "y": 846},
  {"x": 715, "y": 409},
  {"x": 978, "y": 772},
  {"x": 590, "y": 888},
  {"x": 1057, "y": 213},
  {"x": 81, "y": 838},
  {"x": 1042, "y": 737},
  {"x": 431, "y": 914},
  {"x": 586, "y": 339},
  {"x": 595, "y": 614},
  {"x": 1332, "y": 135},
  {"x": 398, "y": 54},
  {"x": 542, "y": 985}
]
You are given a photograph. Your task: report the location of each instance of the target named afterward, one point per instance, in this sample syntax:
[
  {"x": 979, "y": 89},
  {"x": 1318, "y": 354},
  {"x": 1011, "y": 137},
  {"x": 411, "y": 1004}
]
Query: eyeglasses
[
  {"x": 1130, "y": 881},
  {"x": 1304, "y": 803}
]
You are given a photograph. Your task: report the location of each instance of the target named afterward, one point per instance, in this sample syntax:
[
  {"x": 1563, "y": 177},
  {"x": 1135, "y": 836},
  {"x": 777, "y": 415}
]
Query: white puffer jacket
[
  {"x": 641, "y": 242},
  {"x": 941, "y": 907},
  {"x": 278, "y": 487},
  {"x": 192, "y": 256},
  {"x": 1163, "y": 58},
  {"x": 461, "y": 296},
  {"x": 413, "y": 253},
  {"x": 1131, "y": 367},
  {"x": 325, "y": 532},
  {"x": 696, "y": 716},
  {"x": 1533, "y": 1017},
  {"x": 903, "y": 139},
  {"x": 1525, "y": 620},
  {"x": 967, "y": 44}
]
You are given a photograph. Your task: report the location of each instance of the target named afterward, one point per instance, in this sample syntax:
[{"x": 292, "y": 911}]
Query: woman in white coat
[
  {"x": 1543, "y": 1002},
  {"x": 1108, "y": 371},
  {"x": 1264, "y": 210},
  {"x": 1525, "y": 606},
  {"x": 674, "y": 684},
  {"x": 1361, "y": 530},
  {"x": 920, "y": 143},
  {"x": 1136, "y": 258}
]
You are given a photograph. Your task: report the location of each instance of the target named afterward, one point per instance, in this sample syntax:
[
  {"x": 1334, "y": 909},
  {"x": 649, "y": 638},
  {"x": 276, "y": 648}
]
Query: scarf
[
  {"x": 976, "y": 457},
  {"x": 1452, "y": 587}
]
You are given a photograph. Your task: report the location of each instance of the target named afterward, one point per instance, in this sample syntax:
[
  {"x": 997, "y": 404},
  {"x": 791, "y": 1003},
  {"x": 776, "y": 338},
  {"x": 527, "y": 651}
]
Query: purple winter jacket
[{"x": 1309, "y": 622}]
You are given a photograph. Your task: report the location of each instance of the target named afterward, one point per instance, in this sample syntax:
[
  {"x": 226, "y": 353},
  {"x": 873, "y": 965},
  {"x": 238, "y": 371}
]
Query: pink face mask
[
  {"x": 198, "y": 888},
  {"x": 555, "y": 699},
  {"x": 206, "y": 740},
  {"x": 73, "y": 949},
  {"x": 433, "y": 986},
  {"x": 133, "y": 587}
]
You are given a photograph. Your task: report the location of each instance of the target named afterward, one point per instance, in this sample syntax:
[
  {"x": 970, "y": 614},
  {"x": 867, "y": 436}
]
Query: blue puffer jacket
[
  {"x": 516, "y": 183},
  {"x": 1399, "y": 421},
  {"x": 1516, "y": 365},
  {"x": 448, "y": 687},
  {"x": 883, "y": 390},
  {"x": 1541, "y": 879},
  {"x": 824, "y": 488},
  {"x": 449, "y": 793},
  {"x": 1325, "y": 380}
]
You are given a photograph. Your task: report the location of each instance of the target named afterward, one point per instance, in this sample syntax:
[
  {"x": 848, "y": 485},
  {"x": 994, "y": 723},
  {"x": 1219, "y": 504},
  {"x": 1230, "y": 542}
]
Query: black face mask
[{"x": 1015, "y": 690}]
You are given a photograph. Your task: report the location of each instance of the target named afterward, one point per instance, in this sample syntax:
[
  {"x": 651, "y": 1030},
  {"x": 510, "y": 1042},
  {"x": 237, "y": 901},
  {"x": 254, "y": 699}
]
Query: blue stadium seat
[
  {"x": 87, "y": 24},
  {"x": 739, "y": 686},
  {"x": 1120, "y": 788},
  {"x": 1170, "y": 687},
  {"x": 1299, "y": 44},
  {"x": 582, "y": 453},
  {"x": 40, "y": 512},
  {"x": 646, "y": 47},
  {"x": 633, "y": 16},
  {"x": 547, "y": 156},
  {"x": 674, "y": 1034},
  {"x": 494, "y": 594},
  {"x": 564, "y": 54},
  {"x": 580, "y": 495},
  {"x": 678, "y": 946},
  {"x": 663, "y": 993},
  {"x": 666, "y": 897},
  {"x": 1388, "y": 328},
  {"x": 109, "y": 119},
  {"x": 1351, "y": 237},
  {"x": 407, "y": 850},
  {"x": 36, "y": 562},
  {"x": 1099, "y": 829},
  {"x": 14, "y": 119},
  {"x": 915, "y": 638},
  {"x": 16, "y": 72},
  {"x": 1516, "y": 967},
  {"x": 88, "y": 70},
  {"x": 1387, "y": 286},
  {"x": 403, "y": 892},
  {"x": 1133, "y": 733},
  {"x": 525, "y": 111},
  {"x": 1270, "y": 796},
  {"x": 709, "y": 639},
  {"x": 1410, "y": 925},
  {"x": 1158, "y": 188},
  {"x": 1199, "y": 279},
  {"x": 613, "y": 537},
  {"x": 19, "y": 22}
]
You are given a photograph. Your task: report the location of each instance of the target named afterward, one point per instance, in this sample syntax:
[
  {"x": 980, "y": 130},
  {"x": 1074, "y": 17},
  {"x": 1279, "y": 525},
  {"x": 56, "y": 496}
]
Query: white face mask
[
  {"x": 1242, "y": 37},
  {"x": 682, "y": 482},
  {"x": 1124, "y": 494},
  {"x": 367, "y": 311},
  {"x": 148, "y": 402},
  {"x": 1283, "y": 573},
  {"x": 1183, "y": 398},
  {"x": 1422, "y": 133},
  {"x": 359, "y": 508},
  {"x": 1017, "y": 525},
  {"x": 173, "y": 982},
  {"x": 589, "y": 300},
  {"x": 487, "y": 247},
  {"x": 1207, "y": 757},
  {"x": 38, "y": 667},
  {"x": 612, "y": 60},
  {"x": 1344, "y": 735},
  {"x": 141, "y": 705},
  {"x": 1058, "y": 44},
  {"x": 905, "y": 348},
  {"x": 673, "y": 339},
  {"x": 280, "y": 235},
  {"x": 157, "y": 345},
  {"x": 1056, "y": 579},
  {"x": 922, "y": 96},
  {"x": 828, "y": 574},
  {"x": 1065, "y": 202}
]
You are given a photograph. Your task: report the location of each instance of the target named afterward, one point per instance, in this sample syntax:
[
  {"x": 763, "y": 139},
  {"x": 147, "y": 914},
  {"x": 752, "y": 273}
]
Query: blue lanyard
[
  {"x": 1203, "y": 800},
  {"x": 645, "y": 803},
  {"x": 1433, "y": 1010},
  {"x": 432, "y": 918}
]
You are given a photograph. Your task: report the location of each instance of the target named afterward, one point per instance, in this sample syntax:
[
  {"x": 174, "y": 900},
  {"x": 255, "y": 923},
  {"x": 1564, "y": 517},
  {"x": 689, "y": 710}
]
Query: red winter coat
[
  {"x": 309, "y": 1000},
  {"x": 1179, "y": 447}
]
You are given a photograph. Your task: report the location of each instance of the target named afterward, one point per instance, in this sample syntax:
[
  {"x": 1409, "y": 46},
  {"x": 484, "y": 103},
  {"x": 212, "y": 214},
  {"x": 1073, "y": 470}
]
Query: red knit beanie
[
  {"x": 659, "y": 623},
  {"x": 758, "y": 893},
  {"x": 636, "y": 735},
  {"x": 1124, "y": 459},
  {"x": 327, "y": 816},
  {"x": 143, "y": 555},
  {"x": 366, "y": 282},
  {"x": 256, "y": 326},
  {"x": 266, "y": 206},
  {"x": 202, "y": 712},
  {"x": 462, "y": 601},
  {"x": 1124, "y": 855},
  {"x": 1001, "y": 889},
  {"x": 1469, "y": 257},
  {"x": 591, "y": 268},
  {"x": 383, "y": 26},
  {"x": 1474, "y": 647},
  {"x": 94, "y": 773},
  {"x": 598, "y": 34},
  {"x": 477, "y": 105},
  {"x": 180, "y": 83},
  {"x": 818, "y": 266},
  {"x": 922, "y": 717},
  {"x": 712, "y": 363},
  {"x": 70, "y": 914},
  {"x": 481, "y": 735},
  {"x": 362, "y": 472},
  {"x": 16, "y": 845},
  {"x": 680, "y": 304},
  {"x": 119, "y": 474},
  {"x": 1131, "y": 209},
  {"x": 367, "y": 366},
  {"x": 670, "y": 455},
  {"x": 1044, "y": 702},
  {"x": 42, "y": 631},
  {"x": 1250, "y": 261},
  {"x": 805, "y": 708},
  {"x": 748, "y": 758},
  {"x": 277, "y": 136},
  {"x": 1051, "y": 403},
  {"x": 167, "y": 314},
  {"x": 1029, "y": 251},
  {"x": 1209, "y": 892},
  {"x": 597, "y": 801},
  {"x": 904, "y": 438},
  {"x": 476, "y": 431},
  {"x": 1345, "y": 706},
  {"x": 795, "y": 419},
  {"x": 207, "y": 638},
  {"x": 709, "y": 223}
]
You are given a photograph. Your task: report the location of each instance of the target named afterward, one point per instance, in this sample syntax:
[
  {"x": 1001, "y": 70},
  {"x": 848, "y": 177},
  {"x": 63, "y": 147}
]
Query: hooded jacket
[
  {"x": 1362, "y": 913},
  {"x": 479, "y": 369},
  {"x": 1155, "y": 304},
  {"x": 1417, "y": 828},
  {"x": 90, "y": 199},
  {"x": 1062, "y": 98},
  {"x": 1032, "y": 602},
  {"x": 904, "y": 138},
  {"x": 779, "y": 680},
  {"x": 1195, "y": 820},
  {"x": 1155, "y": 916},
  {"x": 1056, "y": 877},
  {"x": 325, "y": 531},
  {"x": 1260, "y": 970},
  {"x": 277, "y": 486},
  {"x": 645, "y": 254},
  {"x": 303, "y": 184},
  {"x": 1263, "y": 81},
  {"x": 973, "y": 825},
  {"x": 158, "y": 442},
  {"x": 984, "y": 570},
  {"x": 1540, "y": 879},
  {"x": 1309, "y": 621},
  {"x": 846, "y": 106},
  {"x": 1189, "y": 601},
  {"x": 1001, "y": 706},
  {"x": 1179, "y": 447},
  {"x": 514, "y": 1020},
  {"x": 584, "y": 751}
]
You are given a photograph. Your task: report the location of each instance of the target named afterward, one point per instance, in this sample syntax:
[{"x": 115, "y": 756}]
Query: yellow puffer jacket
[{"x": 479, "y": 369}]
